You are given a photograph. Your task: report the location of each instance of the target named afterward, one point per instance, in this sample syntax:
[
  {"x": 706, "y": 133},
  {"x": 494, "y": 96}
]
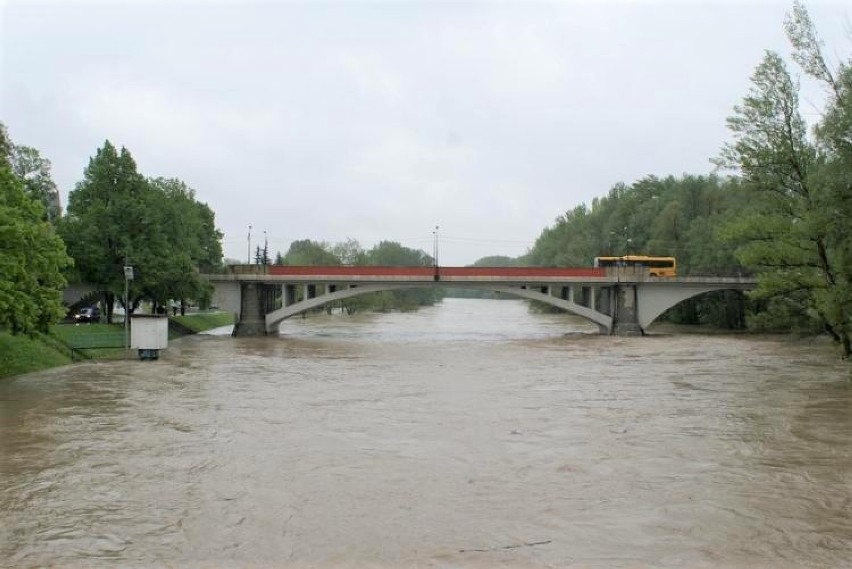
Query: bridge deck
[{"x": 469, "y": 275}]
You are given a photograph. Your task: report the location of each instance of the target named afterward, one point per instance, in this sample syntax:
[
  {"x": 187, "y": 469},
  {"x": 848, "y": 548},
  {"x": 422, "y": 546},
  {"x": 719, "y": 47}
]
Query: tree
[
  {"x": 32, "y": 257},
  {"x": 498, "y": 261},
  {"x": 657, "y": 216},
  {"x": 189, "y": 225},
  {"x": 107, "y": 224},
  {"x": 393, "y": 254},
  {"x": 307, "y": 252},
  {"x": 116, "y": 217},
  {"x": 34, "y": 172},
  {"x": 191, "y": 243},
  {"x": 795, "y": 232},
  {"x": 349, "y": 252}
]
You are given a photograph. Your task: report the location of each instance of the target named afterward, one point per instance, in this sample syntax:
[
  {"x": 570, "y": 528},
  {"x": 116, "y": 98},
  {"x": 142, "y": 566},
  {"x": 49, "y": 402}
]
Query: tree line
[
  {"x": 779, "y": 206},
  {"x": 116, "y": 217},
  {"x": 350, "y": 252},
  {"x": 32, "y": 256}
]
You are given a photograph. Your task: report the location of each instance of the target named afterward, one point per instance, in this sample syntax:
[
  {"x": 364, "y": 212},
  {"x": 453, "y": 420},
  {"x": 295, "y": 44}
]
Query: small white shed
[{"x": 149, "y": 333}]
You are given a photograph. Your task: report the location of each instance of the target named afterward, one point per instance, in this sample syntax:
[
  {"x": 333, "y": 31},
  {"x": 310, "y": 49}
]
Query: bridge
[{"x": 620, "y": 300}]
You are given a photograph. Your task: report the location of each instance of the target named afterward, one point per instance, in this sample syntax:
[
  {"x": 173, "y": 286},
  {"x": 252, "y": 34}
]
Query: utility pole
[
  {"x": 128, "y": 276},
  {"x": 435, "y": 246},
  {"x": 437, "y": 275},
  {"x": 248, "y": 257}
]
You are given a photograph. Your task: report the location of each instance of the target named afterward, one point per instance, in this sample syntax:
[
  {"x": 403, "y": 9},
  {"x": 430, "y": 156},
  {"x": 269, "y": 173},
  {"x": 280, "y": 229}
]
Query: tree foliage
[
  {"x": 34, "y": 172},
  {"x": 785, "y": 217},
  {"x": 307, "y": 252},
  {"x": 393, "y": 254},
  {"x": 116, "y": 217},
  {"x": 794, "y": 230},
  {"x": 499, "y": 261},
  {"x": 32, "y": 257},
  {"x": 350, "y": 252},
  {"x": 680, "y": 217}
]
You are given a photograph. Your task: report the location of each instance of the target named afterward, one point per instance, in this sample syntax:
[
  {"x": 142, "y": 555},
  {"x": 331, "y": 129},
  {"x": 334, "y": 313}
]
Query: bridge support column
[
  {"x": 604, "y": 300},
  {"x": 583, "y": 295},
  {"x": 626, "y": 317},
  {"x": 288, "y": 295},
  {"x": 257, "y": 299}
]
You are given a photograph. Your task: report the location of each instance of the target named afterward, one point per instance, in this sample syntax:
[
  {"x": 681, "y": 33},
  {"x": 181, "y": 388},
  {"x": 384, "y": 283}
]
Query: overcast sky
[{"x": 381, "y": 120}]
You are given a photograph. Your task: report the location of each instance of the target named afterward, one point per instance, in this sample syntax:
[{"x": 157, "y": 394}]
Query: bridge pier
[
  {"x": 257, "y": 299},
  {"x": 289, "y": 296},
  {"x": 626, "y": 317}
]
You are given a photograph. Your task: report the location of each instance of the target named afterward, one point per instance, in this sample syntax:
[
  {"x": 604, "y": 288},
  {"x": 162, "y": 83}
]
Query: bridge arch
[
  {"x": 653, "y": 301},
  {"x": 274, "y": 318}
]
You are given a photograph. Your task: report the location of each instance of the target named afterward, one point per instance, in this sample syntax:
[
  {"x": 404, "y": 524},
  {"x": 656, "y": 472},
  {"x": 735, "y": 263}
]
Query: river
[{"x": 470, "y": 434}]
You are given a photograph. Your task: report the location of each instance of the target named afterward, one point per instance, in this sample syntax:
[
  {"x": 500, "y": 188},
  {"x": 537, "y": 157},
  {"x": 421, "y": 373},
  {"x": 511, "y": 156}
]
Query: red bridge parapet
[{"x": 428, "y": 272}]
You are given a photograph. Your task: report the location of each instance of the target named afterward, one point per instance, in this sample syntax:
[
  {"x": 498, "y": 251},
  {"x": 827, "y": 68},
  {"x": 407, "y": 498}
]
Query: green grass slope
[
  {"x": 23, "y": 354},
  {"x": 202, "y": 321}
]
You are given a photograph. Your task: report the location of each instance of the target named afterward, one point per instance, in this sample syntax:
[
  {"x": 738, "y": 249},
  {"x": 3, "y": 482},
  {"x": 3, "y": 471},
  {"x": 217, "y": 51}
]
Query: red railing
[{"x": 427, "y": 272}]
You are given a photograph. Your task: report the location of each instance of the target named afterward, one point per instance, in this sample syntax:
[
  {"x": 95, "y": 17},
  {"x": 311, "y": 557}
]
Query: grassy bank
[
  {"x": 91, "y": 341},
  {"x": 23, "y": 354},
  {"x": 69, "y": 342},
  {"x": 201, "y": 321}
]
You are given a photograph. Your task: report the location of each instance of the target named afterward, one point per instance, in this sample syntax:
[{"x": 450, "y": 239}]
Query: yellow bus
[{"x": 656, "y": 266}]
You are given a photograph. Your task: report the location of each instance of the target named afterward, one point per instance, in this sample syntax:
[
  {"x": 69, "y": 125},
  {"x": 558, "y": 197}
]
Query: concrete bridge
[{"x": 622, "y": 301}]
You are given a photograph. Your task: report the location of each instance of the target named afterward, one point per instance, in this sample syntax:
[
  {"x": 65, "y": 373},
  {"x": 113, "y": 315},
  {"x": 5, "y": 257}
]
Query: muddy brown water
[{"x": 472, "y": 434}]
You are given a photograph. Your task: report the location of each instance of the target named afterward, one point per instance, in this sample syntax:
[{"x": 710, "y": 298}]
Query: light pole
[
  {"x": 248, "y": 257},
  {"x": 435, "y": 246},
  {"x": 128, "y": 276}
]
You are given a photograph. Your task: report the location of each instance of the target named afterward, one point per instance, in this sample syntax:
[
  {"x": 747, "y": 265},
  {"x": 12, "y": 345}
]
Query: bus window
[{"x": 656, "y": 266}]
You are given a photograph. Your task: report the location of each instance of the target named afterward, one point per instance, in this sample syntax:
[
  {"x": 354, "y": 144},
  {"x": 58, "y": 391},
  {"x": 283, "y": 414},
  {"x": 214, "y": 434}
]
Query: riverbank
[
  {"x": 67, "y": 343},
  {"x": 23, "y": 354}
]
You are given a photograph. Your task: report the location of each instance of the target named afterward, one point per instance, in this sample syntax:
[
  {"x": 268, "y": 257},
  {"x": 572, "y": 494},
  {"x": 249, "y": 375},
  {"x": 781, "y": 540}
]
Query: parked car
[{"x": 89, "y": 314}]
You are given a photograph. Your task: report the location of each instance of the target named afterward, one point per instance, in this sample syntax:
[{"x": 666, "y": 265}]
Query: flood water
[{"x": 471, "y": 434}]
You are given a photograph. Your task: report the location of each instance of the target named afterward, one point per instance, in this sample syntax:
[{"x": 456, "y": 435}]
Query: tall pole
[
  {"x": 436, "y": 276},
  {"x": 265, "y": 247},
  {"x": 126, "y": 314},
  {"x": 248, "y": 257},
  {"x": 128, "y": 276},
  {"x": 435, "y": 247}
]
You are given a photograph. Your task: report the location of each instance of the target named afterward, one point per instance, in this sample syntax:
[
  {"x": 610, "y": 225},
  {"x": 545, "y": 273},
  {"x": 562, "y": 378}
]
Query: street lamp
[
  {"x": 435, "y": 246},
  {"x": 128, "y": 276},
  {"x": 248, "y": 258}
]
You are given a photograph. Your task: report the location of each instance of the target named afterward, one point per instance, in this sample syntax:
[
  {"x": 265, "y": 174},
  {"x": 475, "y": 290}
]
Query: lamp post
[
  {"x": 435, "y": 246},
  {"x": 436, "y": 276},
  {"x": 128, "y": 276},
  {"x": 248, "y": 257}
]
